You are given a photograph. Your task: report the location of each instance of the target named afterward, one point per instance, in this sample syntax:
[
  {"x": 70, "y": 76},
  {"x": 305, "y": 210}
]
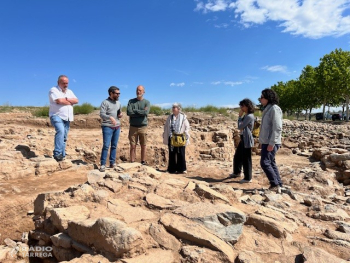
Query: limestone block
[
  {"x": 110, "y": 237},
  {"x": 61, "y": 216}
]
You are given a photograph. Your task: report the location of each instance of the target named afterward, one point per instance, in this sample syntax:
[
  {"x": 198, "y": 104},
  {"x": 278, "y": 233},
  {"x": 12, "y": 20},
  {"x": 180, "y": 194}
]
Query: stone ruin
[{"x": 137, "y": 213}]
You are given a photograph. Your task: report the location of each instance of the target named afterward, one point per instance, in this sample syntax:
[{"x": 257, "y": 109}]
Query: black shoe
[
  {"x": 235, "y": 175},
  {"x": 58, "y": 158},
  {"x": 143, "y": 162}
]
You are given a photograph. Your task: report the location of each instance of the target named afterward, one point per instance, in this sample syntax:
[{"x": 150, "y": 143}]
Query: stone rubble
[{"x": 136, "y": 213}]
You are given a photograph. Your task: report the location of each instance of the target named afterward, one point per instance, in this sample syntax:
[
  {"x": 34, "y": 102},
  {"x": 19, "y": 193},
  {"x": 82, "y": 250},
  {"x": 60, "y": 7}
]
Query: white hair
[{"x": 177, "y": 105}]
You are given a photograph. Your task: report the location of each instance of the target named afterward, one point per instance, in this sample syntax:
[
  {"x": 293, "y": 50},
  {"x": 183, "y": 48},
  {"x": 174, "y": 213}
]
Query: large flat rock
[
  {"x": 110, "y": 237},
  {"x": 317, "y": 255},
  {"x": 271, "y": 226},
  {"x": 61, "y": 216},
  {"x": 155, "y": 201},
  {"x": 223, "y": 220},
  {"x": 196, "y": 233},
  {"x": 129, "y": 213},
  {"x": 207, "y": 192},
  {"x": 163, "y": 238}
]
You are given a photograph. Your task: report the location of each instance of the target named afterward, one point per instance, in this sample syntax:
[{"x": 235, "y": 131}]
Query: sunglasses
[{"x": 118, "y": 93}]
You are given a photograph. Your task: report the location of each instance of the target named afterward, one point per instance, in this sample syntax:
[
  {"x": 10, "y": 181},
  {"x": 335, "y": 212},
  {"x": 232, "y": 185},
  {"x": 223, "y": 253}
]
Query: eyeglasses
[
  {"x": 262, "y": 97},
  {"x": 118, "y": 93}
]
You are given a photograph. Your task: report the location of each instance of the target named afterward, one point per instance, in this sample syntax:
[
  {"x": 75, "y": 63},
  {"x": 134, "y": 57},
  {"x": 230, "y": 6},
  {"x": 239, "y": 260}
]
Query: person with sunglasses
[
  {"x": 270, "y": 137},
  {"x": 243, "y": 154},
  {"x": 110, "y": 113}
]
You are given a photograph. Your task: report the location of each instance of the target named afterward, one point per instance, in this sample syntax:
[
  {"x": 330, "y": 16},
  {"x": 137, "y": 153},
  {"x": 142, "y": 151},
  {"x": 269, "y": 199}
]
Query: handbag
[
  {"x": 256, "y": 129},
  {"x": 178, "y": 140}
]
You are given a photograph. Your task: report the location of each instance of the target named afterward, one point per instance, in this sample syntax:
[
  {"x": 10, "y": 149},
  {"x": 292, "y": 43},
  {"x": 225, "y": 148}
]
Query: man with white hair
[
  {"x": 137, "y": 110},
  {"x": 62, "y": 100}
]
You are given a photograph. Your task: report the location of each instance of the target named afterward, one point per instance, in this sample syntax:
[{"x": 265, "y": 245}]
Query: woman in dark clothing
[{"x": 243, "y": 154}]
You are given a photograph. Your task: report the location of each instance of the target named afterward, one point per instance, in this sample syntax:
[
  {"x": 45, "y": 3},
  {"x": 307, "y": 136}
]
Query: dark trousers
[
  {"x": 243, "y": 158},
  {"x": 268, "y": 164},
  {"x": 177, "y": 159}
]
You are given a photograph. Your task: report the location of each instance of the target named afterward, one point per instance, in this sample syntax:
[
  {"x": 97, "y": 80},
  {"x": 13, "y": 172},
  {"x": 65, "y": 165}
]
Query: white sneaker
[
  {"x": 279, "y": 189},
  {"x": 184, "y": 172},
  {"x": 102, "y": 168},
  {"x": 243, "y": 181}
]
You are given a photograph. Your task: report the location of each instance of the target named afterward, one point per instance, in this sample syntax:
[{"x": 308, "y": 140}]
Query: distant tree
[
  {"x": 309, "y": 87},
  {"x": 339, "y": 68},
  {"x": 328, "y": 92}
]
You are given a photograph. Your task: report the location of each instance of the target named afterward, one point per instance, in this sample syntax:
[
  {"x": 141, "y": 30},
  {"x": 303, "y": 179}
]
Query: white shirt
[{"x": 65, "y": 112}]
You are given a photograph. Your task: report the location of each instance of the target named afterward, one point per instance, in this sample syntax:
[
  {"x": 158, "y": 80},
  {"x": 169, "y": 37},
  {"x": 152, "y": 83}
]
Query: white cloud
[
  {"x": 198, "y": 83},
  {"x": 276, "y": 68},
  {"x": 181, "y": 84},
  {"x": 227, "y": 83},
  {"x": 212, "y": 5},
  {"x": 233, "y": 83},
  {"x": 74, "y": 81},
  {"x": 308, "y": 18},
  {"x": 223, "y": 25},
  {"x": 181, "y": 71},
  {"x": 164, "y": 105}
]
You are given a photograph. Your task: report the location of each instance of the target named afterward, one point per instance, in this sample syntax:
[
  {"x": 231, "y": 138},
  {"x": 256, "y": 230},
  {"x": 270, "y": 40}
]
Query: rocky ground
[{"x": 69, "y": 211}]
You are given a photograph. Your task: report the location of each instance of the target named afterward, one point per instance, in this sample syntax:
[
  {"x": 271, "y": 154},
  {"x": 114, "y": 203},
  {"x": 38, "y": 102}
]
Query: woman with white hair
[{"x": 177, "y": 126}]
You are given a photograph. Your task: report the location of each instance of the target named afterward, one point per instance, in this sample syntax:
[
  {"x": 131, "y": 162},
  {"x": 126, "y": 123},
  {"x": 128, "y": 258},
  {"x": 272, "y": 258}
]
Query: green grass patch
[
  {"x": 156, "y": 110},
  {"x": 6, "y": 107},
  {"x": 84, "y": 108},
  {"x": 41, "y": 112}
]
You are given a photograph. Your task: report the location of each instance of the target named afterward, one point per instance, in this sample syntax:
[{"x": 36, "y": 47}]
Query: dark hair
[
  {"x": 271, "y": 96},
  {"x": 112, "y": 89},
  {"x": 248, "y": 103}
]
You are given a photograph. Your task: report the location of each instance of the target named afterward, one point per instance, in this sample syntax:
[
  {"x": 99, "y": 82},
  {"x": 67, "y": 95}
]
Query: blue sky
[{"x": 193, "y": 52}]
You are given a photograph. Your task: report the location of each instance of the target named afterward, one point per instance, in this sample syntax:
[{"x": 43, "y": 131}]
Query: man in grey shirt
[{"x": 110, "y": 112}]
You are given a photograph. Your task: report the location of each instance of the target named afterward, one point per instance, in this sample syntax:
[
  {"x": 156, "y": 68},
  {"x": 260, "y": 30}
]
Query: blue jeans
[
  {"x": 62, "y": 128},
  {"x": 268, "y": 164},
  {"x": 110, "y": 136}
]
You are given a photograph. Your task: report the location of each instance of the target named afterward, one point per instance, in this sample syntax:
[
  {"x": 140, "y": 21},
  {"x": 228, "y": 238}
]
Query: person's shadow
[{"x": 213, "y": 180}]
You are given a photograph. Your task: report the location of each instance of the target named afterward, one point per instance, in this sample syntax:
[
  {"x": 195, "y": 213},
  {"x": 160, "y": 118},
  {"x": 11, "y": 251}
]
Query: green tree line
[{"x": 328, "y": 84}]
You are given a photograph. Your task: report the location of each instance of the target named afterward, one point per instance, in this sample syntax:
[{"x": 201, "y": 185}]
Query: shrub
[
  {"x": 156, "y": 110},
  {"x": 6, "y": 107},
  {"x": 213, "y": 109},
  {"x": 190, "y": 109},
  {"x": 41, "y": 112},
  {"x": 84, "y": 108}
]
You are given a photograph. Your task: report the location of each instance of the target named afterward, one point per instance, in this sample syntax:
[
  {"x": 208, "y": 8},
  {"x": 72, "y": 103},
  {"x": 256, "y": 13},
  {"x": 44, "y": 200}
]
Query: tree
[
  {"x": 339, "y": 68},
  {"x": 328, "y": 91},
  {"x": 309, "y": 87}
]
